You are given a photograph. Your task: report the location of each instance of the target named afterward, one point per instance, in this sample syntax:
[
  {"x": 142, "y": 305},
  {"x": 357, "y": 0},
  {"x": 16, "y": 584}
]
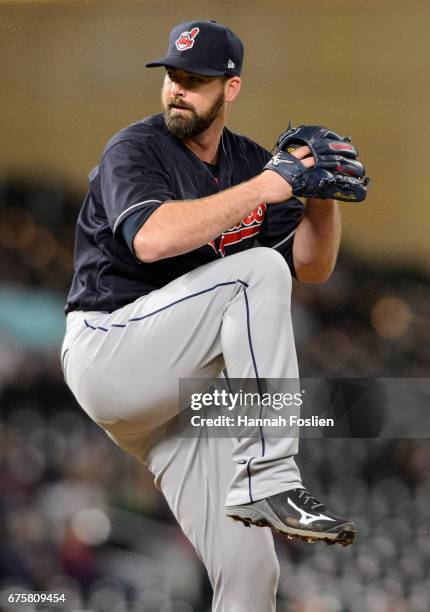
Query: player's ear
[{"x": 232, "y": 88}]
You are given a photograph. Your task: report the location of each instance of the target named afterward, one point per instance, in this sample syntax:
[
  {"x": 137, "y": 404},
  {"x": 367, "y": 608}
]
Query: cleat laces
[{"x": 309, "y": 499}]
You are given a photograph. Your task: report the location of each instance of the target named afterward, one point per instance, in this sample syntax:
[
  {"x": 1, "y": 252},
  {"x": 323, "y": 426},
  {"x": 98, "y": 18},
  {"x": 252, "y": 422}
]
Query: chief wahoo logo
[{"x": 186, "y": 40}]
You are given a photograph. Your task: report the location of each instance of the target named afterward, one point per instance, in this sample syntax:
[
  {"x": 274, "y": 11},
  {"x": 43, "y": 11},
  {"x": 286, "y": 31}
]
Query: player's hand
[
  {"x": 276, "y": 186},
  {"x": 305, "y": 155},
  {"x": 337, "y": 173}
]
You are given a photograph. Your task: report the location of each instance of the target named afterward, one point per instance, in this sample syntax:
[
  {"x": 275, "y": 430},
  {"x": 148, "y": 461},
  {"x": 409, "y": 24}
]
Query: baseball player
[{"x": 186, "y": 244}]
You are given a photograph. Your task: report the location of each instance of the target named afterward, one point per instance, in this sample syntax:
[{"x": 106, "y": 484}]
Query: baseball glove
[{"x": 337, "y": 173}]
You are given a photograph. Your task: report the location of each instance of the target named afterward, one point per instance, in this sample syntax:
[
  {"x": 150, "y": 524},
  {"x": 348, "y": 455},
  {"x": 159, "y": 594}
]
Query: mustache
[{"x": 179, "y": 104}]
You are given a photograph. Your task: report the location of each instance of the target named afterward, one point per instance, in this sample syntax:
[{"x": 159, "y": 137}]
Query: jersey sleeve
[
  {"x": 279, "y": 227},
  {"x": 132, "y": 225},
  {"x": 132, "y": 179}
]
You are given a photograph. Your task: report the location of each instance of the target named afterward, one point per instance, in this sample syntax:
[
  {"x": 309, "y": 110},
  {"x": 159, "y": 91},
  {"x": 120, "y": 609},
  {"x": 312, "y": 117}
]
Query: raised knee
[
  {"x": 270, "y": 257},
  {"x": 272, "y": 266}
]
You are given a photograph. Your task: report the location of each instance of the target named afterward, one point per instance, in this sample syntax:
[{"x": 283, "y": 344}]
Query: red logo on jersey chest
[{"x": 249, "y": 226}]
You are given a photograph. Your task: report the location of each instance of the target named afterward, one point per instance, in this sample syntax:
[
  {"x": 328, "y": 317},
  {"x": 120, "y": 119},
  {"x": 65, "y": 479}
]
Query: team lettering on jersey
[{"x": 249, "y": 226}]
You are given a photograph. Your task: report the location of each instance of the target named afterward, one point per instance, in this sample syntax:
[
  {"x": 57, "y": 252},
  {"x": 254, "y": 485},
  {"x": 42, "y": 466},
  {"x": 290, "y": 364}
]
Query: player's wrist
[
  {"x": 320, "y": 202},
  {"x": 272, "y": 187}
]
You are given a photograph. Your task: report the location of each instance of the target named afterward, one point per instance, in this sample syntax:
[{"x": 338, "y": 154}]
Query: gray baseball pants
[{"x": 123, "y": 368}]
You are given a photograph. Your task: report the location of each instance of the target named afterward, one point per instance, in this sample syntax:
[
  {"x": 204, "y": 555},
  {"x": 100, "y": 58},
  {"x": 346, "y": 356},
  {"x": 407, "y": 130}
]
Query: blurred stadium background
[{"x": 76, "y": 514}]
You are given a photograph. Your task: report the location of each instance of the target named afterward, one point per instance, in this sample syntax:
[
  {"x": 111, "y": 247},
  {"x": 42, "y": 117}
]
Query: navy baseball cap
[{"x": 203, "y": 47}]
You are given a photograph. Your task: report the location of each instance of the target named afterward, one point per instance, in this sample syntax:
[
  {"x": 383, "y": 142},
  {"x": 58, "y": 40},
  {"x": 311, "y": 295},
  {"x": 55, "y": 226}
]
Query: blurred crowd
[
  {"x": 79, "y": 517},
  {"x": 367, "y": 321}
]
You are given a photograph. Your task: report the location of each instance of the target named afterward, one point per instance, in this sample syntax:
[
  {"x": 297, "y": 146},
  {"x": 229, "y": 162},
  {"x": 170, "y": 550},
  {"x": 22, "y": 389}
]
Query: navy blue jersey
[{"x": 141, "y": 167}]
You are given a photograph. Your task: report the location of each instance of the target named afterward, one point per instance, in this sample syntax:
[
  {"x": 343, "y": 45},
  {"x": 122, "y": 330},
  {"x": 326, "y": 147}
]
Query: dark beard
[{"x": 189, "y": 127}]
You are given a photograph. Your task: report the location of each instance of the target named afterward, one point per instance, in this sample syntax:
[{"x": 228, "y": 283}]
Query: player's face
[{"x": 191, "y": 102}]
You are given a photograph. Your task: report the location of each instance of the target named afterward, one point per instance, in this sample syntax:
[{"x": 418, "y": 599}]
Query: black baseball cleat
[{"x": 297, "y": 514}]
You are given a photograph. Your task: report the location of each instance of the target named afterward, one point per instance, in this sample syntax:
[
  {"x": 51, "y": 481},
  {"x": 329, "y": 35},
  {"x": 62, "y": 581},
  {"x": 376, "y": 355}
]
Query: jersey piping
[{"x": 118, "y": 221}]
